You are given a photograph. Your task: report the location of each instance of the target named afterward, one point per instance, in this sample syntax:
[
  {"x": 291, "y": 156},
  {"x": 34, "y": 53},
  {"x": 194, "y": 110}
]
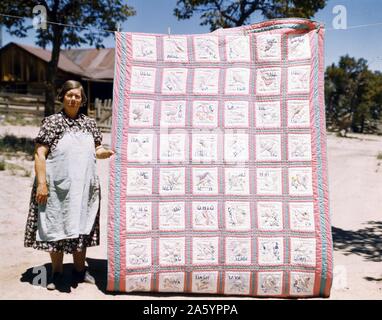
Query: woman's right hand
[{"x": 42, "y": 193}]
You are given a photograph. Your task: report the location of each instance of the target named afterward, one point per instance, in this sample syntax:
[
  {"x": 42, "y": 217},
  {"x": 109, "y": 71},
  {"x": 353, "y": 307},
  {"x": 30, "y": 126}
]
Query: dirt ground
[{"x": 355, "y": 186}]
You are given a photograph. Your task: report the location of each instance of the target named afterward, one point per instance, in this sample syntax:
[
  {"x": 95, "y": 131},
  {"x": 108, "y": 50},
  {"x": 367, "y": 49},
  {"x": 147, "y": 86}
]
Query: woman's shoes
[
  {"x": 83, "y": 276},
  {"x": 55, "y": 281}
]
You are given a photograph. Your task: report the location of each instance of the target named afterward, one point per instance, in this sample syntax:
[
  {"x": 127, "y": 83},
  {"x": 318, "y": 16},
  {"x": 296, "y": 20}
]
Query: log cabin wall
[{"x": 23, "y": 72}]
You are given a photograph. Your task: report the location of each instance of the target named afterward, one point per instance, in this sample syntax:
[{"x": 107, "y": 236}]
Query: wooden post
[
  {"x": 97, "y": 106},
  {"x": 88, "y": 107}
]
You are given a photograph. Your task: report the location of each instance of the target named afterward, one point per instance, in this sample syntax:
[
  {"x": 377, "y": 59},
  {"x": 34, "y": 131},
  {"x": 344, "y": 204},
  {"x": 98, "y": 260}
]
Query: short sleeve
[
  {"x": 97, "y": 134},
  {"x": 47, "y": 133}
]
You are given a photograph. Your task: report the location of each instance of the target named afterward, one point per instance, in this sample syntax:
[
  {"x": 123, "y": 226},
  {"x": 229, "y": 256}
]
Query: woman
[{"x": 65, "y": 199}]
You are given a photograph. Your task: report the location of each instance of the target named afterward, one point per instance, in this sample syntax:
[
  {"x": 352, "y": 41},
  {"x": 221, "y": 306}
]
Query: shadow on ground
[
  {"x": 38, "y": 275},
  {"x": 366, "y": 242},
  {"x": 373, "y": 279},
  {"x": 98, "y": 268}
]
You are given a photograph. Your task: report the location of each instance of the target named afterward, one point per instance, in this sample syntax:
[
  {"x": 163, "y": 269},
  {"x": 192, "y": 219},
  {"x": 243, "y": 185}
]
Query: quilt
[{"x": 219, "y": 183}]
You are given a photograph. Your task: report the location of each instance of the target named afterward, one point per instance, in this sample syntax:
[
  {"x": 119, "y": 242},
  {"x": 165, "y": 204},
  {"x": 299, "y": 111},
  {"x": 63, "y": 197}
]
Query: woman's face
[{"x": 72, "y": 100}]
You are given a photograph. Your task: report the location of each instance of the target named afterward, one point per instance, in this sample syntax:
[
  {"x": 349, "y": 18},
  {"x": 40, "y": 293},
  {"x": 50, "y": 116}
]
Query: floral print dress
[{"x": 52, "y": 130}]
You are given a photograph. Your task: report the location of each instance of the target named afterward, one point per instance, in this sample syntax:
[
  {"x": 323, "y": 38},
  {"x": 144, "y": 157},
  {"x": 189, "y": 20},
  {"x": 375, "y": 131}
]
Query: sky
[{"x": 156, "y": 16}]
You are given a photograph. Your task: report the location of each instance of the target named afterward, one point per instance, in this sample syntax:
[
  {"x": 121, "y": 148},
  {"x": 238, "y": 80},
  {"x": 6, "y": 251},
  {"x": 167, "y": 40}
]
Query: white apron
[{"x": 73, "y": 185}]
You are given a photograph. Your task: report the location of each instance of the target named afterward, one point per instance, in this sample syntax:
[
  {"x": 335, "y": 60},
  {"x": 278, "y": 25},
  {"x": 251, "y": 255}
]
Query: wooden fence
[
  {"x": 11, "y": 104},
  {"x": 103, "y": 114},
  {"x": 33, "y": 106},
  {"x": 30, "y": 105}
]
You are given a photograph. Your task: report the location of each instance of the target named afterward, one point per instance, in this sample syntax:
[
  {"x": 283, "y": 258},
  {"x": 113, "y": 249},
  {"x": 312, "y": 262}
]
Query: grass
[
  {"x": 16, "y": 169},
  {"x": 12, "y": 147},
  {"x": 22, "y": 120},
  {"x": 379, "y": 156},
  {"x": 10, "y": 144},
  {"x": 2, "y": 165}
]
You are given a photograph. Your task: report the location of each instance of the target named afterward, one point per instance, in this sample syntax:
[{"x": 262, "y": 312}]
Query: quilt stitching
[{"x": 219, "y": 184}]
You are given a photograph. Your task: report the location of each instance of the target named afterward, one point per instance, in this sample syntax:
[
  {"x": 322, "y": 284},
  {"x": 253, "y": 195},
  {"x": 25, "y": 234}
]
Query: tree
[
  {"x": 376, "y": 107},
  {"x": 91, "y": 17},
  {"x": 225, "y": 14},
  {"x": 353, "y": 92}
]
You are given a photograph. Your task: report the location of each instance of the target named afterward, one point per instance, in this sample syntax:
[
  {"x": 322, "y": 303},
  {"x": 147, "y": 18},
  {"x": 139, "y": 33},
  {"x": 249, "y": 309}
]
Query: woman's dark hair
[{"x": 69, "y": 85}]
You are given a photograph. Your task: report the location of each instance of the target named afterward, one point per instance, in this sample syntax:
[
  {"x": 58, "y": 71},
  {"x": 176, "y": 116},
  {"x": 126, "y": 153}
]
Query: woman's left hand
[{"x": 103, "y": 153}]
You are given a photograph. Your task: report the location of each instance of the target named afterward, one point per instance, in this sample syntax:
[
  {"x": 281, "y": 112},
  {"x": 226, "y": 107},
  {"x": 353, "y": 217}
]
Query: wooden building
[{"x": 23, "y": 70}]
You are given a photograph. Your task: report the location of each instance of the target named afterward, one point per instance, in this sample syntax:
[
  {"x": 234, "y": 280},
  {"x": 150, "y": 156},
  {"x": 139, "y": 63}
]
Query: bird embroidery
[
  {"x": 145, "y": 49},
  {"x": 206, "y": 46},
  {"x": 300, "y": 182},
  {"x": 205, "y": 181},
  {"x": 171, "y": 181},
  {"x": 172, "y": 82},
  {"x": 270, "y": 284},
  {"x": 269, "y": 44}
]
